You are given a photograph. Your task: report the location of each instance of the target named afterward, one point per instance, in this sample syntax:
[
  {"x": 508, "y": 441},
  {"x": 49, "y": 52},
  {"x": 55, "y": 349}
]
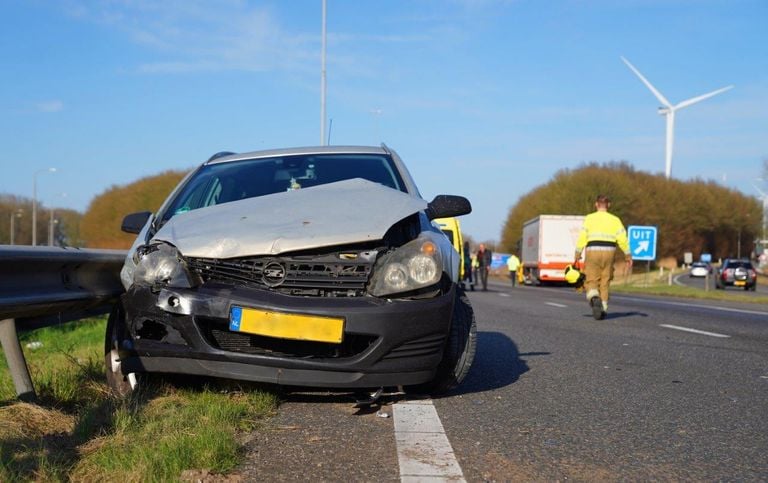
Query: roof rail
[
  {"x": 386, "y": 148},
  {"x": 220, "y": 154}
]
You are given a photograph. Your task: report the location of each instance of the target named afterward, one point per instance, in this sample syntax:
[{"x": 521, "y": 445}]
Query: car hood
[{"x": 344, "y": 212}]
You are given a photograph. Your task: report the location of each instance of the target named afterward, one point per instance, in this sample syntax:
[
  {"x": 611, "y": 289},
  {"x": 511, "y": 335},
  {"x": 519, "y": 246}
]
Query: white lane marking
[
  {"x": 503, "y": 295},
  {"x": 423, "y": 450},
  {"x": 676, "y": 280},
  {"x": 695, "y": 331},
  {"x": 553, "y": 304},
  {"x": 698, "y": 306}
]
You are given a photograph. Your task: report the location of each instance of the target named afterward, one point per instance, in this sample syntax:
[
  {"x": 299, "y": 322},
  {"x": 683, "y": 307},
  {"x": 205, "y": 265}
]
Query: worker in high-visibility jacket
[
  {"x": 513, "y": 265},
  {"x": 599, "y": 237}
]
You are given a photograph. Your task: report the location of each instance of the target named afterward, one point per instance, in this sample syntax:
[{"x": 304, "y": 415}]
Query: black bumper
[{"x": 386, "y": 343}]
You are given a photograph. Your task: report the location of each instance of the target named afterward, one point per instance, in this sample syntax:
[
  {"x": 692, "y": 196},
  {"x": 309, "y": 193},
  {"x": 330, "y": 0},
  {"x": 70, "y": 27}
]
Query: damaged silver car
[{"x": 314, "y": 267}]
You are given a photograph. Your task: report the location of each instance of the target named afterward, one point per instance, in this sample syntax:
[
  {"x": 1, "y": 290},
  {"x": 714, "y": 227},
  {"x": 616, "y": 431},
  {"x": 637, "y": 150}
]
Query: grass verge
[
  {"x": 80, "y": 432},
  {"x": 690, "y": 292},
  {"x": 652, "y": 283}
]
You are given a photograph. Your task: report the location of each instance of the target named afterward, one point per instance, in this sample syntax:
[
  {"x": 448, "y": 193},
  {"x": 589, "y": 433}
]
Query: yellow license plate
[
  {"x": 286, "y": 326},
  {"x": 739, "y": 283}
]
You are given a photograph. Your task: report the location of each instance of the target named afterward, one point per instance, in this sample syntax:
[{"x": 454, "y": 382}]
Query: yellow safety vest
[{"x": 602, "y": 228}]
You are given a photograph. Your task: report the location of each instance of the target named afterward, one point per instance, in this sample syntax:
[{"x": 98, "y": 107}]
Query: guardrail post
[{"x": 17, "y": 365}]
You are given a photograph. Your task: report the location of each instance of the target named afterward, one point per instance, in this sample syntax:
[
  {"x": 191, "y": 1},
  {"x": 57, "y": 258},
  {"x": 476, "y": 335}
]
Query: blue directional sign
[{"x": 642, "y": 242}]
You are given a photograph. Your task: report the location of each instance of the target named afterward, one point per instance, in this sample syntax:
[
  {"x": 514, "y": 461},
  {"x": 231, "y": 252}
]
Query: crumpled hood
[{"x": 344, "y": 212}]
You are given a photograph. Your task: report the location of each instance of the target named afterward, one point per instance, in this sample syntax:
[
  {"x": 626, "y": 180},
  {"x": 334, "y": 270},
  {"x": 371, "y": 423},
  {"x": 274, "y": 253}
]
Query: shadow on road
[
  {"x": 618, "y": 315},
  {"x": 497, "y": 364}
]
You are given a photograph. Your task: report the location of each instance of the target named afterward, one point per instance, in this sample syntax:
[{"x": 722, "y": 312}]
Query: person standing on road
[
  {"x": 468, "y": 266},
  {"x": 483, "y": 265},
  {"x": 513, "y": 264},
  {"x": 599, "y": 237}
]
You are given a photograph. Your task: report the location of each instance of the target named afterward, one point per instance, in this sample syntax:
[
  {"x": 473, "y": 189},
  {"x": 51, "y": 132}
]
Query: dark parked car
[
  {"x": 314, "y": 267},
  {"x": 736, "y": 273}
]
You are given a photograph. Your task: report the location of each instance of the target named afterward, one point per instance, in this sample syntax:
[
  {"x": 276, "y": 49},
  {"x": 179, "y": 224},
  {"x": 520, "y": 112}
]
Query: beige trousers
[{"x": 598, "y": 267}]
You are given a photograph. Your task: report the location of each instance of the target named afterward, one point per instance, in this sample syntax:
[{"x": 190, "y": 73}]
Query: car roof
[{"x": 269, "y": 153}]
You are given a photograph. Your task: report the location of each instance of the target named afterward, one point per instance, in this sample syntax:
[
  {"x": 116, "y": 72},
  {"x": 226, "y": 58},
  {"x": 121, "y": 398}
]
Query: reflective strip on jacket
[{"x": 602, "y": 226}]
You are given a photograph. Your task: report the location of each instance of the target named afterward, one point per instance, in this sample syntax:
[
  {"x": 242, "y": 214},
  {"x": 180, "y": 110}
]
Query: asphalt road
[{"x": 556, "y": 395}]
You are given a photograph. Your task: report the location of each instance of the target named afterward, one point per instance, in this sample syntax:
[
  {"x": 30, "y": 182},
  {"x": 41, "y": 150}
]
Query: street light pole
[
  {"x": 50, "y": 228},
  {"x": 34, "y": 202},
  {"x": 52, "y": 222},
  {"x": 14, "y": 215},
  {"x": 764, "y": 196},
  {"x": 322, "y": 82}
]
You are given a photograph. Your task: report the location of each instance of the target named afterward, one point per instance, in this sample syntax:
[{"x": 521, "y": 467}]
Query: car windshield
[
  {"x": 739, "y": 265},
  {"x": 219, "y": 183}
]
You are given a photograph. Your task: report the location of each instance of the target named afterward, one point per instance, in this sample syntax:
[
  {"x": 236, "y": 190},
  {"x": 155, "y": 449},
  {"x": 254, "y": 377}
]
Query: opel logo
[{"x": 273, "y": 274}]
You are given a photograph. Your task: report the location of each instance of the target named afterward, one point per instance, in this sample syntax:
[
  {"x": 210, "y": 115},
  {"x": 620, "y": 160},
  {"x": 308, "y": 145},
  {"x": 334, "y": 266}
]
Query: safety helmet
[{"x": 571, "y": 274}]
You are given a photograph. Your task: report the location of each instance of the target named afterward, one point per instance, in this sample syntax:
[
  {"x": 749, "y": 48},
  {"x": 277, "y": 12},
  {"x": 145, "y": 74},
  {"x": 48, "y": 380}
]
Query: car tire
[
  {"x": 120, "y": 384},
  {"x": 459, "y": 351}
]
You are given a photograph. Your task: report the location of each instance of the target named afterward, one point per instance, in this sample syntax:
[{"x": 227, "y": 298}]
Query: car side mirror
[
  {"x": 445, "y": 206},
  {"x": 134, "y": 222}
]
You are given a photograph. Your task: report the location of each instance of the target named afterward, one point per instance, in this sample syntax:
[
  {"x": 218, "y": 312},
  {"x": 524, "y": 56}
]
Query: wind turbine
[{"x": 668, "y": 110}]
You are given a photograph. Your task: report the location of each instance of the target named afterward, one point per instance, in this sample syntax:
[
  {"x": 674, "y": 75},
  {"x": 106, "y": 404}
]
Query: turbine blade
[
  {"x": 694, "y": 100},
  {"x": 656, "y": 93}
]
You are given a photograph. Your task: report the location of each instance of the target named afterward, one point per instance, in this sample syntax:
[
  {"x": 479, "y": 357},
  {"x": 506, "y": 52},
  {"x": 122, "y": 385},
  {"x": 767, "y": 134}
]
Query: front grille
[
  {"x": 425, "y": 346},
  {"x": 217, "y": 334},
  {"x": 340, "y": 274}
]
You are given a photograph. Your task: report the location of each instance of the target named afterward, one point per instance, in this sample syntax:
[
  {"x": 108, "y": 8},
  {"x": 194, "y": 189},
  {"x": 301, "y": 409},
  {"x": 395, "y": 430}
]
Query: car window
[
  {"x": 739, "y": 265},
  {"x": 219, "y": 183}
]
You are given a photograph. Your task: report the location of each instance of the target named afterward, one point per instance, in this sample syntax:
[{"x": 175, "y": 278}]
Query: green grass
[
  {"x": 80, "y": 432},
  {"x": 173, "y": 431},
  {"x": 652, "y": 284},
  {"x": 690, "y": 292}
]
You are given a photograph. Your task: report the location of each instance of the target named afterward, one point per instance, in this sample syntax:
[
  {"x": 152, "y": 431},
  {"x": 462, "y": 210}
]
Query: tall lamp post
[
  {"x": 53, "y": 222},
  {"x": 322, "y": 79},
  {"x": 14, "y": 215},
  {"x": 741, "y": 225},
  {"x": 34, "y": 201},
  {"x": 764, "y": 195}
]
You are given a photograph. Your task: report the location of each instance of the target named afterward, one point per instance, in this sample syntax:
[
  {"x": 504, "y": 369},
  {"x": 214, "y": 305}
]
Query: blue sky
[{"x": 482, "y": 98}]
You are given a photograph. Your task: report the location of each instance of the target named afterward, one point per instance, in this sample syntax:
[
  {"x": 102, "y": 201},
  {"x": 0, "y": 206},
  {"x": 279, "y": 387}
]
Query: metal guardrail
[{"x": 41, "y": 286}]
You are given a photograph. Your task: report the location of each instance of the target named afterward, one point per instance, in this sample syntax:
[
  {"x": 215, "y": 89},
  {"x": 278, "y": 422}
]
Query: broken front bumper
[{"x": 385, "y": 342}]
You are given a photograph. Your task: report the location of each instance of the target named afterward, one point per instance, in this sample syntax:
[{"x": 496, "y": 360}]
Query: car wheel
[
  {"x": 119, "y": 383},
  {"x": 459, "y": 350}
]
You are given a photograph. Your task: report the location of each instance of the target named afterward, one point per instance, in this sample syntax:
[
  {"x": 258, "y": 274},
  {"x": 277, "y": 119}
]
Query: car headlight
[
  {"x": 160, "y": 265},
  {"x": 415, "y": 265}
]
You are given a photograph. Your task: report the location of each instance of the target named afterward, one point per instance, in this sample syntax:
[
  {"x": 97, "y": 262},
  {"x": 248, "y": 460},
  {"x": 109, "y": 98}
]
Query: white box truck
[{"x": 548, "y": 245}]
